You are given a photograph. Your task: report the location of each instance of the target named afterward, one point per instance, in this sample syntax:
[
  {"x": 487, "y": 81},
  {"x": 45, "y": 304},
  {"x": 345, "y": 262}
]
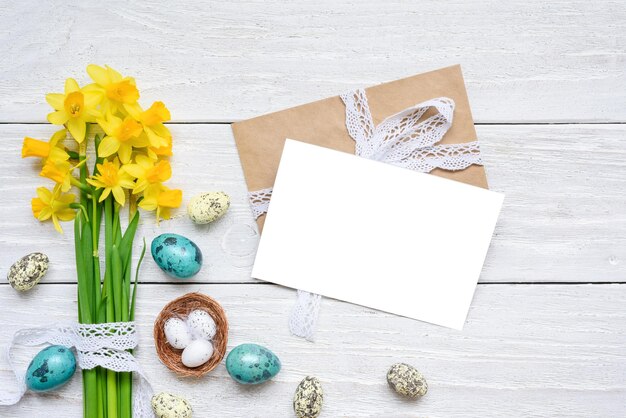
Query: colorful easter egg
[
  {"x": 52, "y": 367},
  {"x": 251, "y": 364},
  {"x": 176, "y": 255}
]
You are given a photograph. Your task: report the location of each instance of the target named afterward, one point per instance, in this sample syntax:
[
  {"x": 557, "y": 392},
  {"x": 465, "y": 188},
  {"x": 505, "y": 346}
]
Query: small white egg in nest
[{"x": 201, "y": 324}]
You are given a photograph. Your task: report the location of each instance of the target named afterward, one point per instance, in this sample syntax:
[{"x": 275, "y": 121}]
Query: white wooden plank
[
  {"x": 563, "y": 217},
  {"x": 532, "y": 351},
  {"x": 523, "y": 60}
]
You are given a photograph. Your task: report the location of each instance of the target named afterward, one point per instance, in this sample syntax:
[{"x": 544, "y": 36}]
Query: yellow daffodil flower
[
  {"x": 118, "y": 91},
  {"x": 52, "y": 204},
  {"x": 112, "y": 179},
  {"x": 162, "y": 199},
  {"x": 147, "y": 172},
  {"x": 59, "y": 172},
  {"x": 152, "y": 121},
  {"x": 122, "y": 136},
  {"x": 74, "y": 108},
  {"x": 165, "y": 151},
  {"x": 51, "y": 150}
]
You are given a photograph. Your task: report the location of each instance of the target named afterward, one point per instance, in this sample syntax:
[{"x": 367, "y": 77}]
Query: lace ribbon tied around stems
[
  {"x": 405, "y": 139},
  {"x": 102, "y": 345}
]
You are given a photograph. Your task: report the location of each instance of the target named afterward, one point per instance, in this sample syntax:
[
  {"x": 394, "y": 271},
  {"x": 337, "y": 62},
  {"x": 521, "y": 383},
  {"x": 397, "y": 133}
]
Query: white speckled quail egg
[
  {"x": 201, "y": 324},
  {"x": 167, "y": 405},
  {"x": 207, "y": 207},
  {"x": 197, "y": 353},
  {"x": 177, "y": 333}
]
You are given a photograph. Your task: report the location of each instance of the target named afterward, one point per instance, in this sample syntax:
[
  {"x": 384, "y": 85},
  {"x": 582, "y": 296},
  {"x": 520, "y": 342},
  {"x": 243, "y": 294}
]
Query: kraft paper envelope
[
  {"x": 260, "y": 140},
  {"x": 375, "y": 234}
]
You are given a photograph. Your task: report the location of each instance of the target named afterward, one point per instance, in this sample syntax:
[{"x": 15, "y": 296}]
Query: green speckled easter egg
[
  {"x": 251, "y": 364},
  {"x": 52, "y": 367},
  {"x": 176, "y": 255}
]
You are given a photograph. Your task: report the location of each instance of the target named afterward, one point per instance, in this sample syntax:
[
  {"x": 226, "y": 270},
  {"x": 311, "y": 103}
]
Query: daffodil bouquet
[{"x": 128, "y": 160}]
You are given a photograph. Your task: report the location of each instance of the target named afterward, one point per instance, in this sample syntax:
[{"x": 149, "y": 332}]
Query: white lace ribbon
[
  {"x": 403, "y": 139},
  {"x": 260, "y": 201},
  {"x": 304, "y": 315},
  {"x": 102, "y": 345}
]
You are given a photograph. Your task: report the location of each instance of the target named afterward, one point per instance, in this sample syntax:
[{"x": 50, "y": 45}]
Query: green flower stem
[
  {"x": 126, "y": 378},
  {"x": 90, "y": 378},
  {"x": 82, "y": 186},
  {"x": 80, "y": 207},
  {"x": 109, "y": 290},
  {"x": 116, "y": 266},
  {"x": 106, "y": 394}
]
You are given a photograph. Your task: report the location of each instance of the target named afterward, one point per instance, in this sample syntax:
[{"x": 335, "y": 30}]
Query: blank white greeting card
[{"x": 377, "y": 235}]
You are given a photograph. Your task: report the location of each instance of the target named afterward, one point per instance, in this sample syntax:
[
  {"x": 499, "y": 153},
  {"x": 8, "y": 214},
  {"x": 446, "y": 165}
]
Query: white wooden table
[{"x": 546, "y": 333}]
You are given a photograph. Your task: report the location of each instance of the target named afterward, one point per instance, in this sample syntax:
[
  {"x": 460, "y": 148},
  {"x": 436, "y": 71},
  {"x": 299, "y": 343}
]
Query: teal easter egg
[
  {"x": 251, "y": 364},
  {"x": 52, "y": 367},
  {"x": 176, "y": 255}
]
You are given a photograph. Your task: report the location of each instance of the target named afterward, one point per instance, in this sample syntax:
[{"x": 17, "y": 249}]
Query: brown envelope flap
[{"x": 260, "y": 140}]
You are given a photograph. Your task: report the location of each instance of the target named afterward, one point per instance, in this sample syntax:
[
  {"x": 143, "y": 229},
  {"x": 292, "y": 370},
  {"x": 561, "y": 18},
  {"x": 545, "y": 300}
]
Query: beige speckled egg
[
  {"x": 207, "y": 207},
  {"x": 307, "y": 401},
  {"x": 28, "y": 271},
  {"x": 167, "y": 405},
  {"x": 407, "y": 380}
]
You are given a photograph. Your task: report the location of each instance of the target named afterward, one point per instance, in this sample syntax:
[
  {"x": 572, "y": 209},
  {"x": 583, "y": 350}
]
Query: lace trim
[
  {"x": 303, "y": 319},
  {"x": 404, "y": 139},
  {"x": 260, "y": 201},
  {"x": 102, "y": 345}
]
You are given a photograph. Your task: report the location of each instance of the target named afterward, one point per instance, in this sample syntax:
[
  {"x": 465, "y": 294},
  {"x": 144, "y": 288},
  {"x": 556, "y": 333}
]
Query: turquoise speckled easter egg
[
  {"x": 176, "y": 255},
  {"x": 52, "y": 367},
  {"x": 251, "y": 364}
]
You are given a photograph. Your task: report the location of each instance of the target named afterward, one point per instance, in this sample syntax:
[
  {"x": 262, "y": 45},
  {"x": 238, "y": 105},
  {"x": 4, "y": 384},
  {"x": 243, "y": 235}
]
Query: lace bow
[
  {"x": 102, "y": 345},
  {"x": 404, "y": 140}
]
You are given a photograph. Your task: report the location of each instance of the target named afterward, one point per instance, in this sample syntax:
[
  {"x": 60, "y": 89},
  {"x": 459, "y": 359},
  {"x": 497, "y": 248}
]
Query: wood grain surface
[
  {"x": 514, "y": 358},
  {"x": 546, "y": 332},
  {"x": 524, "y": 60},
  {"x": 563, "y": 218}
]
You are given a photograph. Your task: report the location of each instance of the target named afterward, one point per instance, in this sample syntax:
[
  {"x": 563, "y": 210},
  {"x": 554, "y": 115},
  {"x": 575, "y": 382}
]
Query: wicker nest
[{"x": 182, "y": 307}]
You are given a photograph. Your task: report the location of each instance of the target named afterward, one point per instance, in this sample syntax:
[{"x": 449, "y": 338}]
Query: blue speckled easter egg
[
  {"x": 251, "y": 364},
  {"x": 176, "y": 255},
  {"x": 52, "y": 367}
]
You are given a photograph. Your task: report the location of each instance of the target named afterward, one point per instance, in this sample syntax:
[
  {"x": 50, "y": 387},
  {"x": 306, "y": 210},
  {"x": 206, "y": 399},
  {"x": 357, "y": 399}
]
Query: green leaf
[
  {"x": 84, "y": 314},
  {"x": 102, "y": 313},
  {"x": 87, "y": 250},
  {"x": 132, "y": 304},
  {"x": 116, "y": 277},
  {"x": 126, "y": 244}
]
